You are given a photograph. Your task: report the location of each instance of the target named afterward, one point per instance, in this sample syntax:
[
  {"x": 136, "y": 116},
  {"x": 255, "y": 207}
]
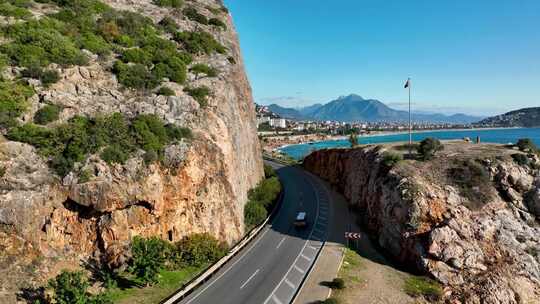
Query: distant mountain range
[
  {"x": 527, "y": 117},
  {"x": 355, "y": 108}
]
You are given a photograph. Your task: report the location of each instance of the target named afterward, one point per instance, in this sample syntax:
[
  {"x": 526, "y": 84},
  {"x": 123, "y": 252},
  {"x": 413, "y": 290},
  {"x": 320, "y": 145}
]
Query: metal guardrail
[{"x": 189, "y": 287}]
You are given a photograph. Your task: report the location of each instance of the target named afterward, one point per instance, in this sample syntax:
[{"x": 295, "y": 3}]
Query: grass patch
[
  {"x": 473, "y": 182},
  {"x": 423, "y": 287},
  {"x": 169, "y": 281}
]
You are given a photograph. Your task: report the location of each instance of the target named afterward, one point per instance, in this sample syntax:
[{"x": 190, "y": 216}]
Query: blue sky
[{"x": 480, "y": 57}]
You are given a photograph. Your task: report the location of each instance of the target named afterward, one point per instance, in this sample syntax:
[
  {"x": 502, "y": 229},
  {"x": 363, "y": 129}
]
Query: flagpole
[{"x": 410, "y": 120}]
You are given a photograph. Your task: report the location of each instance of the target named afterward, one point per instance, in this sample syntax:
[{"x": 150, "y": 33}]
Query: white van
[{"x": 300, "y": 220}]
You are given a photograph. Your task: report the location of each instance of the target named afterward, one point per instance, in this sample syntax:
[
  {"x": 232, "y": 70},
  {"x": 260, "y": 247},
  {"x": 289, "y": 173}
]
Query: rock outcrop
[
  {"x": 468, "y": 218},
  {"x": 200, "y": 185}
]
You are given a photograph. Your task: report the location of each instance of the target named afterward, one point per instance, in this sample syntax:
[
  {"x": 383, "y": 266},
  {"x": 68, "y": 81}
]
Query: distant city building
[{"x": 278, "y": 123}]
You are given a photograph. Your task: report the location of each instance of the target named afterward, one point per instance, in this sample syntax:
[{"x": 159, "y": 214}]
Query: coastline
[{"x": 390, "y": 133}]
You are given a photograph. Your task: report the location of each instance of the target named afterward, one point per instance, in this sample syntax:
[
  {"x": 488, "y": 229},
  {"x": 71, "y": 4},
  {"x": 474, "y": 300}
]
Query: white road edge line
[
  {"x": 225, "y": 272},
  {"x": 281, "y": 242},
  {"x": 251, "y": 277},
  {"x": 272, "y": 295}
]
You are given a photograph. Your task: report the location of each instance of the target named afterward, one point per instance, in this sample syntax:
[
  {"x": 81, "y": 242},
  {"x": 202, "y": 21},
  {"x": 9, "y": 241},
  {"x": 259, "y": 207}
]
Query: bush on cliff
[
  {"x": 148, "y": 258},
  {"x": 72, "y": 142},
  {"x": 200, "y": 249},
  {"x": 199, "y": 43},
  {"x": 391, "y": 159},
  {"x": 428, "y": 147},
  {"x": 473, "y": 182},
  {"x": 526, "y": 145},
  {"x": 192, "y": 14},
  {"x": 72, "y": 287},
  {"x": 200, "y": 94},
  {"x": 47, "y": 114},
  {"x": 13, "y": 101}
]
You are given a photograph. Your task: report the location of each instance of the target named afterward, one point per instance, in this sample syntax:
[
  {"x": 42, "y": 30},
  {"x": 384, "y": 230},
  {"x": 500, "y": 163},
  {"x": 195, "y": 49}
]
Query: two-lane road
[{"x": 273, "y": 266}]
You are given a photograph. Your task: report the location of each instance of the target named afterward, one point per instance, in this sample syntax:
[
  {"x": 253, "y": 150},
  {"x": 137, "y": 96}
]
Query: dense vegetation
[
  {"x": 47, "y": 114},
  {"x": 150, "y": 258},
  {"x": 262, "y": 199},
  {"x": 72, "y": 142},
  {"x": 13, "y": 101},
  {"x": 92, "y": 25},
  {"x": 423, "y": 287}
]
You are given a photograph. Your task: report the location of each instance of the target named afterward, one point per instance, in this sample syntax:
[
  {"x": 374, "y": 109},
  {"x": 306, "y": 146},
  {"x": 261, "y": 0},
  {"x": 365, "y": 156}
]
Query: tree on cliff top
[
  {"x": 353, "y": 139},
  {"x": 428, "y": 147}
]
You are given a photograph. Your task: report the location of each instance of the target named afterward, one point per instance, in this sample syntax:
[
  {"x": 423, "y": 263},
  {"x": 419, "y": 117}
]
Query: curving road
[{"x": 273, "y": 266}]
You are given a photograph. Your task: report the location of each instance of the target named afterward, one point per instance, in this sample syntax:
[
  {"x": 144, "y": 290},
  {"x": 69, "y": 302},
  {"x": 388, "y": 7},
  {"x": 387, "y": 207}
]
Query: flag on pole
[{"x": 408, "y": 83}]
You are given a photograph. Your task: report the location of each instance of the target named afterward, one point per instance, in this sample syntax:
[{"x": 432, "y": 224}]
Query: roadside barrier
[{"x": 189, "y": 287}]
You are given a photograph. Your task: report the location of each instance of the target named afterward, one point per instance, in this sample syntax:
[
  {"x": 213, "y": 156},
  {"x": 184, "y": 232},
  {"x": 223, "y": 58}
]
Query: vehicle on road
[{"x": 301, "y": 220}]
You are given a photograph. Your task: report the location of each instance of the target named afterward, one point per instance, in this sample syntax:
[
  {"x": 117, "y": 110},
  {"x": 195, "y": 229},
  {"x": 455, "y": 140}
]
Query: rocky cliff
[
  {"x": 198, "y": 185},
  {"x": 468, "y": 218}
]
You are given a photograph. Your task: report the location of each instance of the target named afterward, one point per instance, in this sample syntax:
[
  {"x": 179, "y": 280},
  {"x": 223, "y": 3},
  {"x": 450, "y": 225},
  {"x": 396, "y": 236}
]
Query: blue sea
[{"x": 501, "y": 136}]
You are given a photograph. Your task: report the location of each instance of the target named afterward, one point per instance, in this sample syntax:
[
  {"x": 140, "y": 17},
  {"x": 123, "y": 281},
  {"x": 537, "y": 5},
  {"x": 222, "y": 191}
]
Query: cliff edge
[
  {"x": 469, "y": 218},
  {"x": 152, "y": 133}
]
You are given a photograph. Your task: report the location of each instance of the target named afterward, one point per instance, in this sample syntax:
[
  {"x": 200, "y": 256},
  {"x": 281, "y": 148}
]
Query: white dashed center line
[
  {"x": 251, "y": 277},
  {"x": 281, "y": 242}
]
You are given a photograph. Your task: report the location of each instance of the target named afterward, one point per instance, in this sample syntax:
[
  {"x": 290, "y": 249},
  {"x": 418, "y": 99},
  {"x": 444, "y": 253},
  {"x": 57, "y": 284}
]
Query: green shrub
[
  {"x": 200, "y": 94},
  {"x": 84, "y": 176},
  {"x": 10, "y": 10},
  {"x": 192, "y": 14},
  {"x": 201, "y": 68},
  {"x": 526, "y": 144},
  {"x": 41, "y": 42},
  {"x": 13, "y": 101},
  {"x": 149, "y": 132},
  {"x": 217, "y": 23},
  {"x": 428, "y": 147},
  {"x": 148, "y": 258},
  {"x": 254, "y": 214},
  {"x": 266, "y": 192},
  {"x": 47, "y": 114},
  {"x": 269, "y": 171},
  {"x": 72, "y": 287},
  {"x": 169, "y": 3},
  {"x": 114, "y": 154},
  {"x": 94, "y": 43},
  {"x": 231, "y": 60},
  {"x": 168, "y": 24},
  {"x": 175, "y": 132},
  {"x": 49, "y": 77},
  {"x": 135, "y": 76},
  {"x": 200, "y": 249},
  {"x": 425, "y": 287},
  {"x": 330, "y": 301},
  {"x": 136, "y": 55},
  {"x": 391, "y": 159},
  {"x": 166, "y": 91},
  {"x": 521, "y": 159},
  {"x": 150, "y": 157},
  {"x": 199, "y": 43}
]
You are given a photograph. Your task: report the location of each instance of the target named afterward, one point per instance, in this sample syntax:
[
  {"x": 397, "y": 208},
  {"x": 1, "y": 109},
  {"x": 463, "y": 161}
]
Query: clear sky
[{"x": 475, "y": 56}]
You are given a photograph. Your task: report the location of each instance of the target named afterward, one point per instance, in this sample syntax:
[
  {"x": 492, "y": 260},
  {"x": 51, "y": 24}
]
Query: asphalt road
[{"x": 272, "y": 267}]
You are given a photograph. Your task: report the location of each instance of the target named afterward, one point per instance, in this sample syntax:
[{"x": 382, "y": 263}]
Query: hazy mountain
[
  {"x": 289, "y": 113},
  {"x": 528, "y": 117},
  {"x": 355, "y": 108}
]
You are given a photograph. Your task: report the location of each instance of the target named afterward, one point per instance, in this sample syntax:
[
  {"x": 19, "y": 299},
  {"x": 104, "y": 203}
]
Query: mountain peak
[{"x": 355, "y": 97}]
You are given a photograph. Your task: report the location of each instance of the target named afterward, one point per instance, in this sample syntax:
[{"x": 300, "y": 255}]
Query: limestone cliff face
[
  {"x": 201, "y": 186},
  {"x": 482, "y": 242}
]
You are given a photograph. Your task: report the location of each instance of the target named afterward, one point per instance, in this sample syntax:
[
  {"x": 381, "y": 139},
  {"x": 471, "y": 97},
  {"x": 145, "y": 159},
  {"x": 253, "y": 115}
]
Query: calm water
[{"x": 501, "y": 136}]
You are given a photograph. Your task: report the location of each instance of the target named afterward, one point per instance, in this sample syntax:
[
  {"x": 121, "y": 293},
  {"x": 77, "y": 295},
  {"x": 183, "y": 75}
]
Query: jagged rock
[{"x": 484, "y": 253}]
